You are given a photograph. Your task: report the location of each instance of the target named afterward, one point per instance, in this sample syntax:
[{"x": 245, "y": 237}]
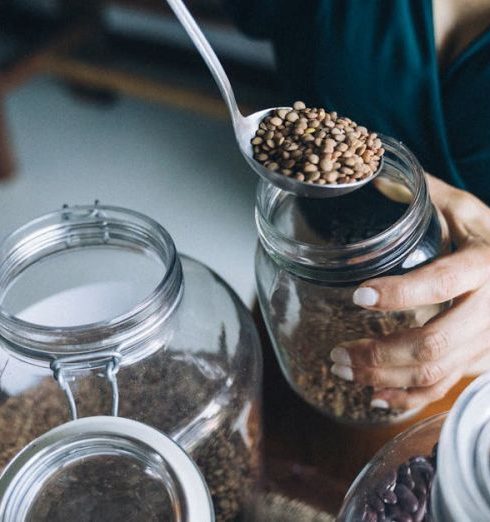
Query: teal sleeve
[
  {"x": 256, "y": 18},
  {"x": 467, "y": 111}
]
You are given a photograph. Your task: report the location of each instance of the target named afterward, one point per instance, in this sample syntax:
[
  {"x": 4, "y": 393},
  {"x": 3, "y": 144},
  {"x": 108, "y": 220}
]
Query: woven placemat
[{"x": 276, "y": 508}]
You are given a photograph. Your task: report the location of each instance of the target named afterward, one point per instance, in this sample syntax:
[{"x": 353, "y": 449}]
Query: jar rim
[
  {"x": 404, "y": 232},
  {"x": 94, "y": 436},
  {"x": 23, "y": 248}
]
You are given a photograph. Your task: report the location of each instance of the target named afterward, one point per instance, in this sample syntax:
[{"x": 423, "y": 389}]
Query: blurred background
[{"x": 109, "y": 100}]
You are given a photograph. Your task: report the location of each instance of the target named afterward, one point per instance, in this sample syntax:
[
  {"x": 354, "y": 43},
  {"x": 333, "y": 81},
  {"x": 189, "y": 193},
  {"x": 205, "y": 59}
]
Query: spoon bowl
[
  {"x": 245, "y": 131},
  {"x": 245, "y": 127}
]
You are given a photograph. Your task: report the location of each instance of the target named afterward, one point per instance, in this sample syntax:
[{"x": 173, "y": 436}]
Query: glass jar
[
  {"x": 99, "y": 315},
  {"x": 429, "y": 475},
  {"x": 312, "y": 255},
  {"x": 103, "y": 469}
]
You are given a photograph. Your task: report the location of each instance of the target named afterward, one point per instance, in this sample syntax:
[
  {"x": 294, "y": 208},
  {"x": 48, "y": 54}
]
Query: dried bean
[
  {"x": 388, "y": 483},
  {"x": 407, "y": 500},
  {"x": 309, "y": 167},
  {"x": 369, "y": 515},
  {"x": 376, "y": 503},
  {"x": 326, "y": 165},
  {"x": 420, "y": 514},
  {"x": 314, "y": 159},
  {"x": 273, "y": 166},
  {"x": 405, "y": 476},
  {"x": 389, "y": 497},
  {"x": 403, "y": 494},
  {"x": 276, "y": 121}
]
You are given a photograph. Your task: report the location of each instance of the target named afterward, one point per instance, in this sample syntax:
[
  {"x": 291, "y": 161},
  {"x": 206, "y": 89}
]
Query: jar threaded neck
[
  {"x": 73, "y": 229},
  {"x": 358, "y": 260}
]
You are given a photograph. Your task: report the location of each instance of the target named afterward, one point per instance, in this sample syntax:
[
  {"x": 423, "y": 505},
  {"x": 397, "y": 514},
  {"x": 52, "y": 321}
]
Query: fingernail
[
  {"x": 341, "y": 356},
  {"x": 365, "y": 296},
  {"x": 344, "y": 372},
  {"x": 380, "y": 403}
]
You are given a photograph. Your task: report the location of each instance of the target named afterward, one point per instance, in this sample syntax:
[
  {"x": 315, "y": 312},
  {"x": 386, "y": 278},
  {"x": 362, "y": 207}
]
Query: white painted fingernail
[
  {"x": 365, "y": 296},
  {"x": 344, "y": 372},
  {"x": 341, "y": 356},
  {"x": 380, "y": 403}
]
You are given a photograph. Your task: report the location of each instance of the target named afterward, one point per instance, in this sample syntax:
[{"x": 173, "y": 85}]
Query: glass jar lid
[{"x": 103, "y": 469}]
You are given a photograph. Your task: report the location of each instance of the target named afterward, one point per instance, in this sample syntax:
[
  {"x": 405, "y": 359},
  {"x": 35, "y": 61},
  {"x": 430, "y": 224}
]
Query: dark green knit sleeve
[
  {"x": 467, "y": 115},
  {"x": 256, "y": 18}
]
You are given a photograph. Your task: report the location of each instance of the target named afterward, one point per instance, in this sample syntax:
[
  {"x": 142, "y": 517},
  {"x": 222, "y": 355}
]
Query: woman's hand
[{"x": 411, "y": 368}]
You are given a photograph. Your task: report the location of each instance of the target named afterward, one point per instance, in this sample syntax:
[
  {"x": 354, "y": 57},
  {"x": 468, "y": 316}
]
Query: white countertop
[{"x": 179, "y": 168}]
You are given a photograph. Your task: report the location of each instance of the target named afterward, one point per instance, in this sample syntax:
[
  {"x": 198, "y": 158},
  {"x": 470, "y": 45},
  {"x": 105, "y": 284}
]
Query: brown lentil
[{"x": 311, "y": 133}]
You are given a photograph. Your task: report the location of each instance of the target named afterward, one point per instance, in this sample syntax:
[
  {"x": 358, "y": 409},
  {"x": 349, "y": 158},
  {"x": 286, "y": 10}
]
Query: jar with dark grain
[
  {"x": 103, "y": 469},
  {"x": 100, "y": 315}
]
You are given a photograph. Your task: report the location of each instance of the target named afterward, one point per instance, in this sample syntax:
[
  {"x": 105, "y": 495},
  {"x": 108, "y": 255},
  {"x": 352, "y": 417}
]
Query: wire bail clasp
[
  {"x": 88, "y": 214},
  {"x": 110, "y": 360}
]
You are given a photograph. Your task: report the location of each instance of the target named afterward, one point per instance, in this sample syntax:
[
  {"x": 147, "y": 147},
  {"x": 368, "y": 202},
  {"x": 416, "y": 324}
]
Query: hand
[{"x": 411, "y": 368}]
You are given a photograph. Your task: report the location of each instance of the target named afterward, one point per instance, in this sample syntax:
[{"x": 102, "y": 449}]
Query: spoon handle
[{"x": 208, "y": 55}]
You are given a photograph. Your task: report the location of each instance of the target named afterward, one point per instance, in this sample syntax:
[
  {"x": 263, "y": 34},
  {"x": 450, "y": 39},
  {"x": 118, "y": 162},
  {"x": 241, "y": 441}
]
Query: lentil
[{"x": 315, "y": 132}]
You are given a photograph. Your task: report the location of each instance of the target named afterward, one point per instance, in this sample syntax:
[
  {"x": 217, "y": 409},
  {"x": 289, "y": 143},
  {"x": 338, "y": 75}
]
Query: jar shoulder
[
  {"x": 202, "y": 281},
  {"x": 211, "y": 313}
]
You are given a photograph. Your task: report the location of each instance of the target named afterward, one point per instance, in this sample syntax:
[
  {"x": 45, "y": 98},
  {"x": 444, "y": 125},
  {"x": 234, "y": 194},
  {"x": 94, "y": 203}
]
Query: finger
[
  {"x": 445, "y": 278},
  {"x": 414, "y": 397},
  {"x": 438, "y": 338},
  {"x": 464, "y": 213},
  {"x": 423, "y": 356},
  {"x": 441, "y": 192},
  {"x": 401, "y": 377}
]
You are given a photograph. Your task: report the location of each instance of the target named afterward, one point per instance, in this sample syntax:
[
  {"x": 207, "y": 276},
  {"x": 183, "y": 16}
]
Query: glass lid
[{"x": 103, "y": 469}]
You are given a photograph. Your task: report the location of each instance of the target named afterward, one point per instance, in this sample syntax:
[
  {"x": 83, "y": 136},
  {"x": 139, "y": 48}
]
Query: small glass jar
[
  {"x": 103, "y": 469},
  {"x": 99, "y": 315},
  {"x": 312, "y": 255},
  {"x": 429, "y": 475}
]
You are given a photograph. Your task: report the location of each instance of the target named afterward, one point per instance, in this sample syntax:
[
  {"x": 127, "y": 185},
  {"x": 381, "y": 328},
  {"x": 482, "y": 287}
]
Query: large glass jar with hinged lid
[
  {"x": 103, "y": 469},
  {"x": 311, "y": 257},
  {"x": 99, "y": 315}
]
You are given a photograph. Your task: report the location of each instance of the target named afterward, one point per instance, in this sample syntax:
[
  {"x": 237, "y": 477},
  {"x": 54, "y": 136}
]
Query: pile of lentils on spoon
[{"x": 316, "y": 146}]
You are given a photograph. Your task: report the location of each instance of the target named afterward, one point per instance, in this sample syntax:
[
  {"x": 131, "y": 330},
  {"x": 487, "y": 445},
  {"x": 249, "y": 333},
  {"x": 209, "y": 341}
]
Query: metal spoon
[{"x": 246, "y": 126}]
